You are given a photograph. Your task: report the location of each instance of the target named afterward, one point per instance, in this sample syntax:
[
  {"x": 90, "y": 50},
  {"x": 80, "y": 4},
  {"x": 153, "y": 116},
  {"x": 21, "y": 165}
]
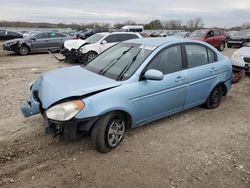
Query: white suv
[{"x": 85, "y": 50}]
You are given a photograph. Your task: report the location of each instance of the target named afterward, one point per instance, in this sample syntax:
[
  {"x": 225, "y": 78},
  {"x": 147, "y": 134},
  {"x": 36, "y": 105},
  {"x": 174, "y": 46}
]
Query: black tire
[
  {"x": 106, "y": 129},
  {"x": 214, "y": 99},
  {"x": 24, "y": 50},
  {"x": 90, "y": 56},
  {"x": 229, "y": 45},
  {"x": 221, "y": 47}
]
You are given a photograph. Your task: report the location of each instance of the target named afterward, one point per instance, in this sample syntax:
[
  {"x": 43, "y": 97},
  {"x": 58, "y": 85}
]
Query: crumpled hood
[
  {"x": 74, "y": 44},
  {"x": 70, "y": 82},
  {"x": 244, "y": 51},
  {"x": 13, "y": 40}
]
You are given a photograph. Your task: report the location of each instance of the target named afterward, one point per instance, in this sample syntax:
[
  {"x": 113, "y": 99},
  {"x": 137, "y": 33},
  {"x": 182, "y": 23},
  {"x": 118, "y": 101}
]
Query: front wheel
[
  {"x": 214, "y": 99},
  {"x": 109, "y": 132},
  {"x": 90, "y": 56},
  {"x": 24, "y": 50}
]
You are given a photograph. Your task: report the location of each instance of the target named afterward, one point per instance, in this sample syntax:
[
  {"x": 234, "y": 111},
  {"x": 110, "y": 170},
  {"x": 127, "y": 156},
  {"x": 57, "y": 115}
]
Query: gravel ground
[{"x": 195, "y": 148}]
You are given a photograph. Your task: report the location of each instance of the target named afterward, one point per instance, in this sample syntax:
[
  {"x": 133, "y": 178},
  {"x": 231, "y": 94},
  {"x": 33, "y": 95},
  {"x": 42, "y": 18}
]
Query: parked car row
[{"x": 8, "y": 35}]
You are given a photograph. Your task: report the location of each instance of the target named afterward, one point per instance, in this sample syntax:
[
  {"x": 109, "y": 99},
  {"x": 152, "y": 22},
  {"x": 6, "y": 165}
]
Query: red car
[{"x": 215, "y": 37}]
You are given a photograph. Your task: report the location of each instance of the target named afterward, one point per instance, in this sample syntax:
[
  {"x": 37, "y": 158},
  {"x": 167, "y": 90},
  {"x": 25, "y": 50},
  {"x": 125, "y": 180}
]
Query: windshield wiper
[
  {"x": 127, "y": 67},
  {"x": 113, "y": 62}
]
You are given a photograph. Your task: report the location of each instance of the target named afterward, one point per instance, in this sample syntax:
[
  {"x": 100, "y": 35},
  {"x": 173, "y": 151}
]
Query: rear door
[
  {"x": 160, "y": 98},
  {"x": 217, "y": 38},
  {"x": 201, "y": 73},
  {"x": 56, "y": 40},
  {"x": 124, "y": 37}
]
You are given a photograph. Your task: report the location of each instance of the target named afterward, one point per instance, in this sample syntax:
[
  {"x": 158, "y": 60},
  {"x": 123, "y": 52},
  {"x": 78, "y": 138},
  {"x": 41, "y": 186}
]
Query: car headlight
[
  {"x": 83, "y": 49},
  {"x": 237, "y": 56},
  {"x": 65, "y": 111}
]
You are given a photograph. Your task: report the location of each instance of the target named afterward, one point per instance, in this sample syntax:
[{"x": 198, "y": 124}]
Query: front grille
[{"x": 247, "y": 59}]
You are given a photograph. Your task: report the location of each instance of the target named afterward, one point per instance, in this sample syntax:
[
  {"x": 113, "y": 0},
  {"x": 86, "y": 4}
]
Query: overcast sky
[{"x": 222, "y": 13}]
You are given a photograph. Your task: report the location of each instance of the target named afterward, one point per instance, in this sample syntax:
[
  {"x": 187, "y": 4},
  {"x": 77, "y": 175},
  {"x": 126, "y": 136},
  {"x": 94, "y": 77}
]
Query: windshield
[
  {"x": 198, "y": 33},
  {"x": 120, "y": 61},
  {"x": 31, "y": 34},
  {"x": 242, "y": 33},
  {"x": 95, "y": 38},
  {"x": 247, "y": 45}
]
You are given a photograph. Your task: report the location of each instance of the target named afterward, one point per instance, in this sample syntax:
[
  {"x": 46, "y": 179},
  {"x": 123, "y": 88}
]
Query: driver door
[
  {"x": 210, "y": 39},
  {"x": 164, "y": 97},
  {"x": 40, "y": 41},
  {"x": 109, "y": 41}
]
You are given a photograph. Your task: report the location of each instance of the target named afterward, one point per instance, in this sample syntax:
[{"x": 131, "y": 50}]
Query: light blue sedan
[{"x": 129, "y": 85}]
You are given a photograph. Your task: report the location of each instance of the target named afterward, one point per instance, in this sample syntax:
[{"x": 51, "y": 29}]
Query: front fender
[{"x": 118, "y": 98}]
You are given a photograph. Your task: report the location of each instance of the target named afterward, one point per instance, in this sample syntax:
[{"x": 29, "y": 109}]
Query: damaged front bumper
[
  {"x": 11, "y": 47},
  {"x": 72, "y": 129},
  {"x": 73, "y": 56},
  {"x": 30, "y": 107}
]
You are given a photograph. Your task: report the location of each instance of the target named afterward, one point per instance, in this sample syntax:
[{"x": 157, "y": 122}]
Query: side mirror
[
  {"x": 104, "y": 42},
  {"x": 34, "y": 39},
  {"x": 153, "y": 74}
]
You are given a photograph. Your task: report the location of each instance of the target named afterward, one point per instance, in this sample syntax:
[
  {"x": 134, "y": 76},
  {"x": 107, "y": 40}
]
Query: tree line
[{"x": 190, "y": 25}]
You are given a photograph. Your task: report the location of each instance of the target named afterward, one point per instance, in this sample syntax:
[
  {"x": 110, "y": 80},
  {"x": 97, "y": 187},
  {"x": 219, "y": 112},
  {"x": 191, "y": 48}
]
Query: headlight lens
[
  {"x": 65, "y": 111},
  {"x": 236, "y": 56},
  {"x": 83, "y": 49}
]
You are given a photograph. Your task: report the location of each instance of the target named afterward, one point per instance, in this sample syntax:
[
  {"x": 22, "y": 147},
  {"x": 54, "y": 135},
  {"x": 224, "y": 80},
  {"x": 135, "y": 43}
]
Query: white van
[{"x": 133, "y": 28}]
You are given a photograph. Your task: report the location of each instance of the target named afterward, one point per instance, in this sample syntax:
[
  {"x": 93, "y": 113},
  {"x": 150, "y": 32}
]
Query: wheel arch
[
  {"x": 124, "y": 113},
  {"x": 92, "y": 51},
  {"x": 223, "y": 86}
]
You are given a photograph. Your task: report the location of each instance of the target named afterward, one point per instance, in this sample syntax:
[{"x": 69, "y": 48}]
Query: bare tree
[
  {"x": 195, "y": 23},
  {"x": 172, "y": 24}
]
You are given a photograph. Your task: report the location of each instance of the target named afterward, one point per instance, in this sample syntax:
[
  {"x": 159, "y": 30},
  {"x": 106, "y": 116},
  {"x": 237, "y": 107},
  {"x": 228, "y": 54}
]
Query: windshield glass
[
  {"x": 31, "y": 34},
  {"x": 120, "y": 61},
  {"x": 198, "y": 33},
  {"x": 95, "y": 38},
  {"x": 247, "y": 45},
  {"x": 242, "y": 33}
]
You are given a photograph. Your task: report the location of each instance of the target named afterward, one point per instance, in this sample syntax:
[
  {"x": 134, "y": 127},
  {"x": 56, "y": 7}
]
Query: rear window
[{"x": 198, "y": 55}]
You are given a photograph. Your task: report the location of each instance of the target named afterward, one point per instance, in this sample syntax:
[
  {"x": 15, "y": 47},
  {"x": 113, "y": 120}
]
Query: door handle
[
  {"x": 179, "y": 79},
  {"x": 213, "y": 70}
]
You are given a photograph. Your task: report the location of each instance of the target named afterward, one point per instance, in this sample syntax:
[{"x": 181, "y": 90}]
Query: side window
[
  {"x": 168, "y": 61},
  {"x": 211, "y": 56},
  {"x": 196, "y": 55},
  {"x": 123, "y": 37},
  {"x": 112, "y": 38},
  {"x": 216, "y": 33},
  {"x": 56, "y": 35},
  {"x": 210, "y": 33},
  {"x": 42, "y": 36}
]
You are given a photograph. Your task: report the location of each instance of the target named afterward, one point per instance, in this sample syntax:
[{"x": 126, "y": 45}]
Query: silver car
[{"x": 37, "y": 42}]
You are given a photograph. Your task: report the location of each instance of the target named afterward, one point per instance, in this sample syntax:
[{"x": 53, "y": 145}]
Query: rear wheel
[
  {"x": 214, "y": 99},
  {"x": 109, "y": 132},
  {"x": 229, "y": 45},
  {"x": 24, "y": 50},
  {"x": 221, "y": 47}
]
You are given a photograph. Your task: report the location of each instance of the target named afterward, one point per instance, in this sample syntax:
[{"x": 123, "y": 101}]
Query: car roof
[{"x": 158, "y": 41}]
